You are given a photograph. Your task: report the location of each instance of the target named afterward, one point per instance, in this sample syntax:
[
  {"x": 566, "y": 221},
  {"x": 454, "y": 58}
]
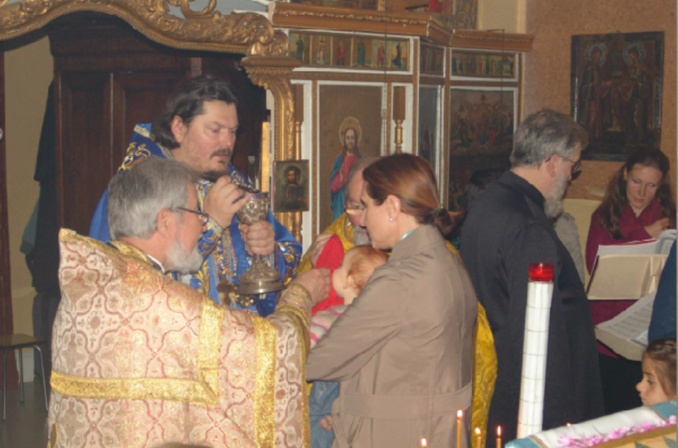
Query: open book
[
  {"x": 631, "y": 270},
  {"x": 626, "y": 334},
  {"x": 660, "y": 245}
]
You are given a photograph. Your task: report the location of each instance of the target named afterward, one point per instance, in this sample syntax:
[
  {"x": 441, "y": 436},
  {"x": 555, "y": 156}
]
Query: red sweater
[
  {"x": 632, "y": 228},
  {"x": 331, "y": 257}
]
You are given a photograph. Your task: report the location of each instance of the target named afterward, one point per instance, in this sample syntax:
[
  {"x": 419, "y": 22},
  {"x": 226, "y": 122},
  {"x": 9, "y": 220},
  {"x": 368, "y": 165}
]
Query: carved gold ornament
[{"x": 205, "y": 29}]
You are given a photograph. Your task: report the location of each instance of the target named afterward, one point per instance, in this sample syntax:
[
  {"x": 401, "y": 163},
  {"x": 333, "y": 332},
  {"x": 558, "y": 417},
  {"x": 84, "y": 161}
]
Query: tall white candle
[{"x": 535, "y": 349}]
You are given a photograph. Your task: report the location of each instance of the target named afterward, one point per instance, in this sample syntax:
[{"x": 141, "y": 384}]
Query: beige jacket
[{"x": 403, "y": 350}]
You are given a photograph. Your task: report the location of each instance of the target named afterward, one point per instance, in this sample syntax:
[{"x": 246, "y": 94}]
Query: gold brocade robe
[{"x": 140, "y": 360}]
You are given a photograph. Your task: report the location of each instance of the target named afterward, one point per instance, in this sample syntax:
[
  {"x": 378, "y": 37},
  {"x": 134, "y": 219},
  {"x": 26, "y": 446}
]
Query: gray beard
[
  {"x": 360, "y": 236},
  {"x": 553, "y": 206},
  {"x": 181, "y": 261}
]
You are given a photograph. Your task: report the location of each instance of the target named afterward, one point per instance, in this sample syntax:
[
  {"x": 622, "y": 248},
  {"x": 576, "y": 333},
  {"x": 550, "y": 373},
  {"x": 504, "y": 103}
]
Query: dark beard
[{"x": 213, "y": 176}]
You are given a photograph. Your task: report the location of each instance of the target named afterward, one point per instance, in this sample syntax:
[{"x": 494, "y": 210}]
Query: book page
[
  {"x": 660, "y": 245},
  {"x": 626, "y": 333}
]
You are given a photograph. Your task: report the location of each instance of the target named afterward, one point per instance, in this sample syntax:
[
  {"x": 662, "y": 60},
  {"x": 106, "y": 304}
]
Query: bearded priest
[{"x": 140, "y": 360}]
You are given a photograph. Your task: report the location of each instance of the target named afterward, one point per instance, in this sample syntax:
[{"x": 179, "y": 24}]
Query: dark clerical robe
[{"x": 505, "y": 231}]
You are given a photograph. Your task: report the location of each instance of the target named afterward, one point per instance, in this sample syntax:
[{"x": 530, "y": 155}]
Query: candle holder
[{"x": 258, "y": 278}]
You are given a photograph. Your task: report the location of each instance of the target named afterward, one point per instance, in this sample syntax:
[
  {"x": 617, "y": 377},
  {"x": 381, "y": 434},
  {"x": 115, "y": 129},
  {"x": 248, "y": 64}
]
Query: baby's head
[
  {"x": 659, "y": 372},
  {"x": 357, "y": 267}
]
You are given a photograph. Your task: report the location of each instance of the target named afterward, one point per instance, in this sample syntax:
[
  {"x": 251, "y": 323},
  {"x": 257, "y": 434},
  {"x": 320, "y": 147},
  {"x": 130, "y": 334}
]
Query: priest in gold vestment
[{"x": 140, "y": 360}]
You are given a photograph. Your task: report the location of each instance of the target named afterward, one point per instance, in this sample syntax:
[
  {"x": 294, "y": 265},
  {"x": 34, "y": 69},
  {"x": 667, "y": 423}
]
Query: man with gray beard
[
  {"x": 142, "y": 360},
  {"x": 507, "y": 229}
]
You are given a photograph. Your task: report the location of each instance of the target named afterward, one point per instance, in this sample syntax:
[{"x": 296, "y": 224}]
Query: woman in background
[
  {"x": 403, "y": 351},
  {"x": 638, "y": 205}
]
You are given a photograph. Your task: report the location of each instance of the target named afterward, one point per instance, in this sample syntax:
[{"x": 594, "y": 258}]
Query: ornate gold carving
[
  {"x": 207, "y": 29},
  {"x": 404, "y": 24},
  {"x": 275, "y": 74},
  {"x": 316, "y": 154},
  {"x": 357, "y": 77}
]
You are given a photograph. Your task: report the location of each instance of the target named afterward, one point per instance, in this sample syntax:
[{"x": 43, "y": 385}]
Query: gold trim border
[
  {"x": 202, "y": 390},
  {"x": 264, "y": 389}
]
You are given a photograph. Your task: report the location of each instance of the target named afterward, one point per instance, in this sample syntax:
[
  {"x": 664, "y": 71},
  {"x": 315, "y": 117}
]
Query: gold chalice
[{"x": 259, "y": 278}]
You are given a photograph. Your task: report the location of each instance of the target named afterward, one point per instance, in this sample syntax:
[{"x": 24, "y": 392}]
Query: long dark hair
[
  {"x": 409, "y": 178},
  {"x": 187, "y": 103},
  {"x": 615, "y": 197}
]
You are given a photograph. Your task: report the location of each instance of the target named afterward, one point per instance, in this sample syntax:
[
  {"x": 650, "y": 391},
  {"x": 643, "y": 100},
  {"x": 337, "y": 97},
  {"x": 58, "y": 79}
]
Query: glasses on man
[
  {"x": 576, "y": 166},
  {"x": 204, "y": 217},
  {"x": 353, "y": 209}
]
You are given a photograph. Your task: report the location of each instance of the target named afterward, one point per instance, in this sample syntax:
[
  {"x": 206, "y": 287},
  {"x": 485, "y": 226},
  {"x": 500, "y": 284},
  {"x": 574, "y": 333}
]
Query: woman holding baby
[{"x": 403, "y": 350}]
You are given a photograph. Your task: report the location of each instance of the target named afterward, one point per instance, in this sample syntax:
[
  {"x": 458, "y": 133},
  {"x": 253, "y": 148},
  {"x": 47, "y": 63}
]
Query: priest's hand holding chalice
[
  {"x": 259, "y": 238},
  {"x": 228, "y": 199}
]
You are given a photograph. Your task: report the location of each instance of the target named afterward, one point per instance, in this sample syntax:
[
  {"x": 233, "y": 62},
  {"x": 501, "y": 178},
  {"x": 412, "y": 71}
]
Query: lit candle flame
[
  {"x": 460, "y": 413},
  {"x": 478, "y": 431},
  {"x": 423, "y": 443},
  {"x": 498, "y": 431}
]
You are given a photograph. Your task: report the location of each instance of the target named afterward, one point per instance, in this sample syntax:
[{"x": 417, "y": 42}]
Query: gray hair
[
  {"x": 544, "y": 134},
  {"x": 358, "y": 166},
  {"x": 136, "y": 196}
]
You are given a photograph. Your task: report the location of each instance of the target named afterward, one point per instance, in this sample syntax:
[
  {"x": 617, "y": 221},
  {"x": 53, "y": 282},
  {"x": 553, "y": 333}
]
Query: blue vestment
[
  {"x": 663, "y": 321},
  {"x": 337, "y": 199},
  {"x": 214, "y": 243}
]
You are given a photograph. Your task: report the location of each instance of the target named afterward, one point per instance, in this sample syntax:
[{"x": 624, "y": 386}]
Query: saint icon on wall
[
  {"x": 350, "y": 124},
  {"x": 616, "y": 92},
  {"x": 291, "y": 186},
  {"x": 350, "y": 134}
]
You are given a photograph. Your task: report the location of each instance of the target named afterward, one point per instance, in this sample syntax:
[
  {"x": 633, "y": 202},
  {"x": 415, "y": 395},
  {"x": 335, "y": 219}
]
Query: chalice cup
[{"x": 258, "y": 278}]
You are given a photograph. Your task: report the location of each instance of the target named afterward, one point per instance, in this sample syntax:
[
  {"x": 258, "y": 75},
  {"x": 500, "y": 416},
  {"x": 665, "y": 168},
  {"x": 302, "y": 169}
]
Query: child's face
[
  {"x": 650, "y": 389},
  {"x": 340, "y": 276}
]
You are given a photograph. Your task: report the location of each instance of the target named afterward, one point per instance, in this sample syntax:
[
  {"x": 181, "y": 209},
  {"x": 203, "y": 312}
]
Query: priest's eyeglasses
[
  {"x": 576, "y": 166},
  {"x": 204, "y": 217},
  {"x": 354, "y": 209}
]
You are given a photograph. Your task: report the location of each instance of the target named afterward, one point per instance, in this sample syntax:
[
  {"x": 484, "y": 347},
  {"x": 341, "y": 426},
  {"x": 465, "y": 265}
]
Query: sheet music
[{"x": 628, "y": 329}]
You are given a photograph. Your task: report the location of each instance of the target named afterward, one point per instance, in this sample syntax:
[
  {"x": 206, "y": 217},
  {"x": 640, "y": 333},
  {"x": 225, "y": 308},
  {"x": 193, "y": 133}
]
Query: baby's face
[{"x": 650, "y": 389}]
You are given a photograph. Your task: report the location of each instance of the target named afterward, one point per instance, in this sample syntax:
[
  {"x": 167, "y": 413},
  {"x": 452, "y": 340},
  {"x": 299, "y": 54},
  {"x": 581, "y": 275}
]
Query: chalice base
[{"x": 256, "y": 287}]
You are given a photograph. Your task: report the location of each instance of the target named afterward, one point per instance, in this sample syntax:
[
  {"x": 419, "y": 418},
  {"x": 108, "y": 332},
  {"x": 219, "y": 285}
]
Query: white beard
[
  {"x": 182, "y": 261},
  {"x": 553, "y": 206},
  {"x": 360, "y": 236}
]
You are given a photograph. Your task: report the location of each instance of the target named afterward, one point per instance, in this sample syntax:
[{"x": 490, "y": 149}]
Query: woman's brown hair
[
  {"x": 615, "y": 197},
  {"x": 410, "y": 178}
]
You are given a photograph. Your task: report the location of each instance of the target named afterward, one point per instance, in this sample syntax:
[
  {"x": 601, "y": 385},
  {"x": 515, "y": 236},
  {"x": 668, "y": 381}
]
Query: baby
[
  {"x": 348, "y": 281},
  {"x": 659, "y": 372}
]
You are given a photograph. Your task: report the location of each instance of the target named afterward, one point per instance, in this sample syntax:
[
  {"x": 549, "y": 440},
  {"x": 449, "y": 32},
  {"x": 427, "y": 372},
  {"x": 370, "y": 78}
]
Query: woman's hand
[{"x": 657, "y": 227}]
